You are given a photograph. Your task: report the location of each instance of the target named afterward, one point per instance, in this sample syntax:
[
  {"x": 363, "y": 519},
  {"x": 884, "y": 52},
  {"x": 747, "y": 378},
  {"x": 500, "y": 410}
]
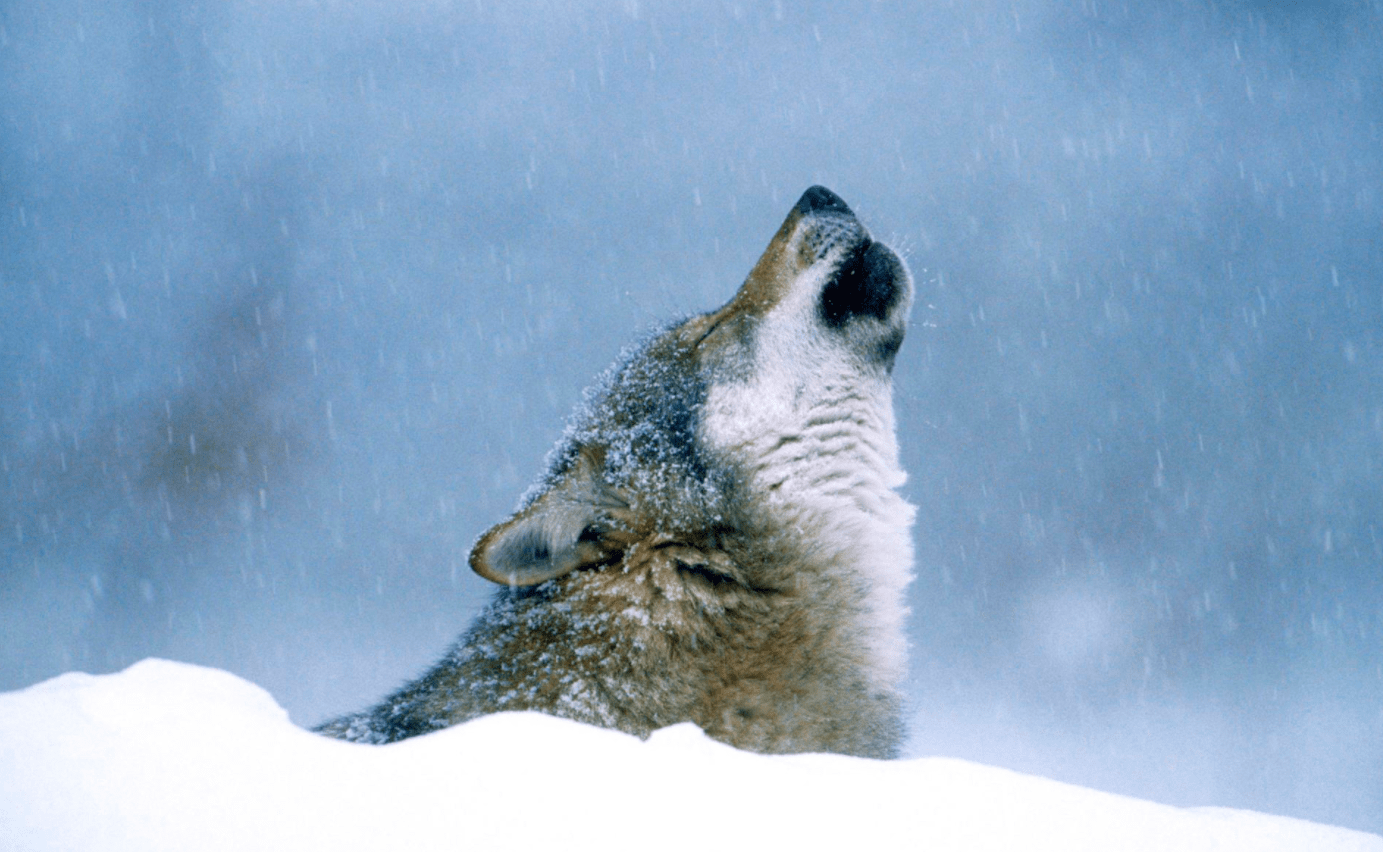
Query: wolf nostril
[{"x": 819, "y": 199}]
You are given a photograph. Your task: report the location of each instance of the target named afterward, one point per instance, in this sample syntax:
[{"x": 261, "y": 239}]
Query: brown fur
[{"x": 649, "y": 582}]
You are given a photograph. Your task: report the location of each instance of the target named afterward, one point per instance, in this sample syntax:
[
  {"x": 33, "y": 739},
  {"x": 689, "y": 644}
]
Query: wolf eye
[{"x": 704, "y": 573}]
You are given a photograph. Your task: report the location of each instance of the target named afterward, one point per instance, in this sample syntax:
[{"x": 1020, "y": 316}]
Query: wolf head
[{"x": 741, "y": 458}]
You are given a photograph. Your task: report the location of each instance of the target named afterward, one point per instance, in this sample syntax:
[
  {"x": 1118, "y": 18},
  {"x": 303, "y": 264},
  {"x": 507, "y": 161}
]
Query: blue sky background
[{"x": 297, "y": 296}]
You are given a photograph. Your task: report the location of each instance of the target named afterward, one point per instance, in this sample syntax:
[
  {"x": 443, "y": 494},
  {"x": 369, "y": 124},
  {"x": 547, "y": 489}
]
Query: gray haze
[{"x": 296, "y": 297}]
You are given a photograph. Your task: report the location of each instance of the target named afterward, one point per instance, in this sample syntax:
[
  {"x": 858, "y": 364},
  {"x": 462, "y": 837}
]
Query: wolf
[{"x": 718, "y": 537}]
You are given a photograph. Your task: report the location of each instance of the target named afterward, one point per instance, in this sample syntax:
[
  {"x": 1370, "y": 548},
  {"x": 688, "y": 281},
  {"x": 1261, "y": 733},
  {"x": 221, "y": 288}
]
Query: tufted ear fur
[{"x": 568, "y": 528}]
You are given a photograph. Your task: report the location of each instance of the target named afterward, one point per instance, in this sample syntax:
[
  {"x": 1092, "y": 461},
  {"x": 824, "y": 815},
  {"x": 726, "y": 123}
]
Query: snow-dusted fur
[{"x": 718, "y": 538}]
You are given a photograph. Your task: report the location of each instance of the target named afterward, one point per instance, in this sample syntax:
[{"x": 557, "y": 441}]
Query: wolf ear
[{"x": 563, "y": 530}]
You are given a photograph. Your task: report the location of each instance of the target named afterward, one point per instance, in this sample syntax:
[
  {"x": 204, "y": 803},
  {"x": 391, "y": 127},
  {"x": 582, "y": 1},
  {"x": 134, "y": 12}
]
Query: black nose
[{"x": 819, "y": 199}]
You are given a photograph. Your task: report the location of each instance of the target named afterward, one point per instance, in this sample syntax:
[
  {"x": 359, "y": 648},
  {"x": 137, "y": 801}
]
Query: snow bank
[{"x": 172, "y": 756}]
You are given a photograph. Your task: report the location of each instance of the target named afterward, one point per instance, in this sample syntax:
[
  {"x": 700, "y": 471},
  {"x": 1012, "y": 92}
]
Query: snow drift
[{"x": 172, "y": 756}]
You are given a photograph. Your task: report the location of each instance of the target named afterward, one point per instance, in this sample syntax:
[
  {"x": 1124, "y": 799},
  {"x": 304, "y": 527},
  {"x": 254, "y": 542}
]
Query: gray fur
[{"x": 653, "y": 577}]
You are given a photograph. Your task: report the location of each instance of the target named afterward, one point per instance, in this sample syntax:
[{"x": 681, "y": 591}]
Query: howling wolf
[{"x": 717, "y": 538}]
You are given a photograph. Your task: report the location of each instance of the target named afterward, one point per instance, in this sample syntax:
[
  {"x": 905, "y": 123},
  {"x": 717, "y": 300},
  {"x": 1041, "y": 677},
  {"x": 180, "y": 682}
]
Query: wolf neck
[{"x": 823, "y": 454}]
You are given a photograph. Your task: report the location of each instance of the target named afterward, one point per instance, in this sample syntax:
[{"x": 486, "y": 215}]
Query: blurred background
[{"x": 297, "y": 295}]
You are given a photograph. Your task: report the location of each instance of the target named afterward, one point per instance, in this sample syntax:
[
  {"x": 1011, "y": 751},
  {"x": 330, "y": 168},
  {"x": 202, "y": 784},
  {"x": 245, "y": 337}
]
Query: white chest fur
[{"x": 815, "y": 432}]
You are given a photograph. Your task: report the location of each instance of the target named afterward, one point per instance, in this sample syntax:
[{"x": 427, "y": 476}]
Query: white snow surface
[{"x": 172, "y": 756}]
